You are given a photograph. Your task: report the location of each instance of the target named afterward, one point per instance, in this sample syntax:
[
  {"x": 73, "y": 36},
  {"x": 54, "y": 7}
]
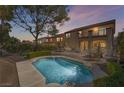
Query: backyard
[
  {"x": 70, "y": 59},
  {"x": 16, "y": 70}
]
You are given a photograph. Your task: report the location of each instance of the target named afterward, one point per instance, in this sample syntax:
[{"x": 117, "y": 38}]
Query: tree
[
  {"x": 6, "y": 14},
  {"x": 40, "y": 19},
  {"x": 4, "y": 34},
  {"x": 120, "y": 45},
  {"x": 25, "y": 47},
  {"x": 12, "y": 45}
]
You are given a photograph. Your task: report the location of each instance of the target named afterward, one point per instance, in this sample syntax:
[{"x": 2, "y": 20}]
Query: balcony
[{"x": 93, "y": 33}]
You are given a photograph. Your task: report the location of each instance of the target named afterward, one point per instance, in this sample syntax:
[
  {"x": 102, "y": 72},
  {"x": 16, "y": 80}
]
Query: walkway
[{"x": 8, "y": 70}]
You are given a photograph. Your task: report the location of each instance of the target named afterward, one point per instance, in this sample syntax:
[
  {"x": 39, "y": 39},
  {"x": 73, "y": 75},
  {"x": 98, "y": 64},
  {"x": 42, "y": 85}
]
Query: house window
[
  {"x": 80, "y": 33},
  {"x": 68, "y": 35},
  {"x": 61, "y": 38},
  {"x": 51, "y": 39},
  {"x": 46, "y": 40},
  {"x": 85, "y": 33},
  {"x": 83, "y": 45},
  {"x": 40, "y": 41},
  {"x": 57, "y": 39},
  {"x": 95, "y": 32},
  {"x": 102, "y": 31},
  {"x": 99, "y": 43},
  {"x": 102, "y": 44}
]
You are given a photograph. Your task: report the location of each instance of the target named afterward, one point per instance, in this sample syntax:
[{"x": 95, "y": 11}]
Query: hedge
[
  {"x": 47, "y": 47},
  {"x": 115, "y": 78},
  {"x": 37, "y": 54}
]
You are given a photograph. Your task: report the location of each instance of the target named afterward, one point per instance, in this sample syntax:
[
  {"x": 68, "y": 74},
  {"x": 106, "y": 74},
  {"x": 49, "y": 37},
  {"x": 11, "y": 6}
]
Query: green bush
[
  {"x": 112, "y": 60},
  {"x": 37, "y": 54},
  {"x": 47, "y": 47},
  {"x": 113, "y": 67},
  {"x": 115, "y": 78},
  {"x": 120, "y": 45}
]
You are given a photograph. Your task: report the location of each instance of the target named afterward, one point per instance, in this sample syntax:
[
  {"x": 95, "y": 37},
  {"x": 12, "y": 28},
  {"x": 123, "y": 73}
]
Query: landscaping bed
[
  {"x": 115, "y": 78},
  {"x": 37, "y": 54}
]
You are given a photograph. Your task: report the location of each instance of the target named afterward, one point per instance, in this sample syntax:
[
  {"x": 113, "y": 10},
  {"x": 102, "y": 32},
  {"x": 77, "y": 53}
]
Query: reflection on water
[{"x": 61, "y": 70}]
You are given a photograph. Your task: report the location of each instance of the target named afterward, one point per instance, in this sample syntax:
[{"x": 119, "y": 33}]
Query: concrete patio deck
[{"x": 8, "y": 71}]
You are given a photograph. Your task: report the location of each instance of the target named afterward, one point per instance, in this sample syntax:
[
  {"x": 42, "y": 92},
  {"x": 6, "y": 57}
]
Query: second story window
[
  {"x": 80, "y": 33},
  {"x": 102, "y": 31},
  {"x": 61, "y": 38},
  {"x": 85, "y": 33},
  {"x": 57, "y": 39},
  {"x": 68, "y": 35},
  {"x": 99, "y": 32},
  {"x": 95, "y": 31}
]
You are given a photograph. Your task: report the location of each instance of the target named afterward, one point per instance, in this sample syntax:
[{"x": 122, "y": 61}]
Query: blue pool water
[{"x": 61, "y": 70}]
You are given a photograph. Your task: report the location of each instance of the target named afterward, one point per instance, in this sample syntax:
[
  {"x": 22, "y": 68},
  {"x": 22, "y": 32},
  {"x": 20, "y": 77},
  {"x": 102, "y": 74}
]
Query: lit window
[
  {"x": 84, "y": 45},
  {"x": 58, "y": 39},
  {"x": 40, "y": 42},
  {"x": 98, "y": 43},
  {"x": 80, "y": 33},
  {"x": 95, "y": 31},
  {"x": 46, "y": 40},
  {"x": 102, "y": 44},
  {"x": 102, "y": 31},
  {"x": 51, "y": 39},
  {"x": 68, "y": 35},
  {"x": 61, "y": 38}
]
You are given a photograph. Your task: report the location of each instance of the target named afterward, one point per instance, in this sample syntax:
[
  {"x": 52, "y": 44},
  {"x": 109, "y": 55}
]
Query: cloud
[
  {"x": 85, "y": 12},
  {"x": 86, "y": 15}
]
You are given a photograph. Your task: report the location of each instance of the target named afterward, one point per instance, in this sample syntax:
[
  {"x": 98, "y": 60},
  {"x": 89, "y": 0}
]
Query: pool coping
[{"x": 33, "y": 78}]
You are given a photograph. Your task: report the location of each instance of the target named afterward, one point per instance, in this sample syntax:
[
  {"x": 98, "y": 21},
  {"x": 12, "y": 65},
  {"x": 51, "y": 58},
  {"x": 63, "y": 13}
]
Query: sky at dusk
[{"x": 83, "y": 16}]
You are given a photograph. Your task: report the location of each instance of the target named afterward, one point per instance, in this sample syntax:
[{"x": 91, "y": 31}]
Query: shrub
[
  {"x": 113, "y": 67},
  {"x": 121, "y": 61},
  {"x": 115, "y": 78},
  {"x": 47, "y": 47},
  {"x": 37, "y": 54},
  {"x": 112, "y": 60},
  {"x": 120, "y": 45},
  {"x": 25, "y": 48}
]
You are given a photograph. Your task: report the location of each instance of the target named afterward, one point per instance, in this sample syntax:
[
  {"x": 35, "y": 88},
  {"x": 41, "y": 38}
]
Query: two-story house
[{"x": 88, "y": 40}]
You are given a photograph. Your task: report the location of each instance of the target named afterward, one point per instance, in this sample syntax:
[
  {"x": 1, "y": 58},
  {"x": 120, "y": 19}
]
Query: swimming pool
[{"x": 61, "y": 70}]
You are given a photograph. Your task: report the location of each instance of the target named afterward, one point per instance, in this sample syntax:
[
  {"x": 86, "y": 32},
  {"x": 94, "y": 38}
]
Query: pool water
[{"x": 61, "y": 70}]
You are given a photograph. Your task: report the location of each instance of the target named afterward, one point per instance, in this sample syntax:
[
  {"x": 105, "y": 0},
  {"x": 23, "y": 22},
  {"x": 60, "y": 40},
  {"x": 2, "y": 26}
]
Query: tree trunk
[{"x": 36, "y": 43}]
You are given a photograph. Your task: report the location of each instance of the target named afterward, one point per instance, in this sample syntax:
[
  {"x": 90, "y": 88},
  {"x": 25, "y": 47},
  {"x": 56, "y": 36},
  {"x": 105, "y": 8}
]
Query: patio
[{"x": 8, "y": 71}]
